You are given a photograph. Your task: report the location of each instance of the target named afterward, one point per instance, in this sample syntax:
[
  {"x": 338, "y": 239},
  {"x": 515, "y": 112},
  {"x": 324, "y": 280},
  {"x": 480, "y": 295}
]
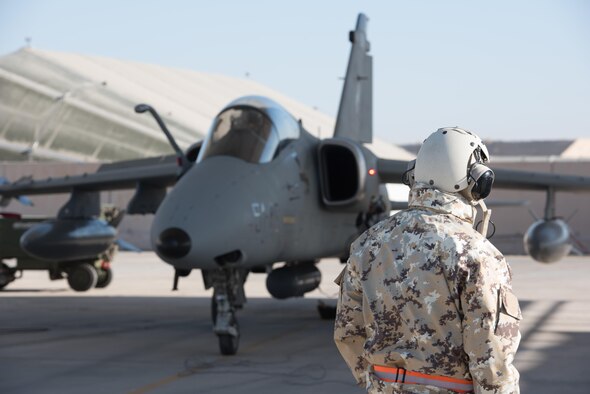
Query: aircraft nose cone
[{"x": 173, "y": 243}]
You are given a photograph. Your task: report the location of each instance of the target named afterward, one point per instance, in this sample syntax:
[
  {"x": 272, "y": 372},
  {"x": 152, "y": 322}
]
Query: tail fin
[{"x": 355, "y": 115}]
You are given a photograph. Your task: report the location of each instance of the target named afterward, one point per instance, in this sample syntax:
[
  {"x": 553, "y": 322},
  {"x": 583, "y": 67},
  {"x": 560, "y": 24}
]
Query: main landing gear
[
  {"x": 228, "y": 296},
  {"x": 327, "y": 312}
]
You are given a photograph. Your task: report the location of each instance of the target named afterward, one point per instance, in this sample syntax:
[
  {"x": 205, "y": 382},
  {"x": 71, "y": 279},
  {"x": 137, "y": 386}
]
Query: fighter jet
[{"x": 260, "y": 190}]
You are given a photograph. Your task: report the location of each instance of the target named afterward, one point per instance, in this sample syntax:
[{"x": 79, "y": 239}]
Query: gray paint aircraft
[{"x": 260, "y": 189}]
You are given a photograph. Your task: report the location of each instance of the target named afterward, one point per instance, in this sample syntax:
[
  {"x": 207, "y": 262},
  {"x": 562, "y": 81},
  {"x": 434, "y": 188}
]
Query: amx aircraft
[{"x": 259, "y": 190}]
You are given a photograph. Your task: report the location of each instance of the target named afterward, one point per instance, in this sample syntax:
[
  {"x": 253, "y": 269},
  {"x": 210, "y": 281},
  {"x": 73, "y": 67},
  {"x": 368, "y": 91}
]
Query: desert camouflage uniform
[{"x": 424, "y": 291}]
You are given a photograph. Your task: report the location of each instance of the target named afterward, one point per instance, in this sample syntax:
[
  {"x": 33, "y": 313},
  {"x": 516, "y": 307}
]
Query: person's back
[{"x": 426, "y": 304}]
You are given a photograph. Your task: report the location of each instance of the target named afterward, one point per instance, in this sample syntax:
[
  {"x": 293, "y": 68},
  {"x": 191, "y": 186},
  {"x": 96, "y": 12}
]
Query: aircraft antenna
[{"x": 184, "y": 162}]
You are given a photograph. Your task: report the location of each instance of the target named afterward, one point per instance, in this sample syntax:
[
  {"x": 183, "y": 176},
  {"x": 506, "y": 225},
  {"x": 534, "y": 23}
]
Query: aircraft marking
[{"x": 258, "y": 209}]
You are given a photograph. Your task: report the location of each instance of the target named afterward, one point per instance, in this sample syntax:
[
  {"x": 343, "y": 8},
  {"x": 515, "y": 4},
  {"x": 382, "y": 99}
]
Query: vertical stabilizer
[{"x": 355, "y": 115}]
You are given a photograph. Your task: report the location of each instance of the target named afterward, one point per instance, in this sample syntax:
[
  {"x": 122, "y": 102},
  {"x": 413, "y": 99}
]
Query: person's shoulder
[
  {"x": 481, "y": 246},
  {"x": 401, "y": 221},
  {"x": 376, "y": 234},
  {"x": 480, "y": 257},
  {"x": 465, "y": 238}
]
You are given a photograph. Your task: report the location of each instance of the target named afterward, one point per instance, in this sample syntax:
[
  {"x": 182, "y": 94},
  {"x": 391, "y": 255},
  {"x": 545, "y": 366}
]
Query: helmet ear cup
[
  {"x": 482, "y": 179},
  {"x": 408, "y": 178}
]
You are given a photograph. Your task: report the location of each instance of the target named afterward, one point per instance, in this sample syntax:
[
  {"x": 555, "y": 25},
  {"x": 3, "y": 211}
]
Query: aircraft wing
[
  {"x": 155, "y": 172},
  {"x": 526, "y": 180},
  {"x": 391, "y": 171}
]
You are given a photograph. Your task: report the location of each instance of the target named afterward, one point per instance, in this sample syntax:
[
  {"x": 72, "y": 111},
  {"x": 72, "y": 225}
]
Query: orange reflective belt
[{"x": 401, "y": 375}]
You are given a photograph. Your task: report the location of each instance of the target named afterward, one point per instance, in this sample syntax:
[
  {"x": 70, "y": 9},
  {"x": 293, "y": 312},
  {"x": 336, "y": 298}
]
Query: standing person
[{"x": 426, "y": 302}]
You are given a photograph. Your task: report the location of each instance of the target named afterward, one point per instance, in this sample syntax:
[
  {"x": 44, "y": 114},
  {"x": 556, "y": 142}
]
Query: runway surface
[{"x": 136, "y": 336}]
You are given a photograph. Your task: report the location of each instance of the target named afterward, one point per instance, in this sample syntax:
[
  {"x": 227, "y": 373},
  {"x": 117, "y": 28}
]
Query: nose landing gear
[
  {"x": 228, "y": 296},
  {"x": 225, "y": 325}
]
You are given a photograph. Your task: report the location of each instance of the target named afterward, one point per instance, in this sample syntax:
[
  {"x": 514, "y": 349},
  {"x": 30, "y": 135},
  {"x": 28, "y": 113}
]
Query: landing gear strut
[
  {"x": 225, "y": 325},
  {"x": 228, "y": 296}
]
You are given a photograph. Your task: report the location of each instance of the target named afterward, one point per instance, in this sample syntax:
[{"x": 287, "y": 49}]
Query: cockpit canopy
[{"x": 250, "y": 128}]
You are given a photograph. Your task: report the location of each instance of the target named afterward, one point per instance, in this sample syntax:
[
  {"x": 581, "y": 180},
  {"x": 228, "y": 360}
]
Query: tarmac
[{"x": 137, "y": 336}]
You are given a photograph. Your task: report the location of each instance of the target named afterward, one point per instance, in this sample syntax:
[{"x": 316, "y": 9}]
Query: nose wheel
[
  {"x": 225, "y": 325},
  {"x": 228, "y": 344},
  {"x": 228, "y": 296}
]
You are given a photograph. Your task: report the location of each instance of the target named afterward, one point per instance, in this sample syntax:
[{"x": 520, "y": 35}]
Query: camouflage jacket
[{"x": 424, "y": 291}]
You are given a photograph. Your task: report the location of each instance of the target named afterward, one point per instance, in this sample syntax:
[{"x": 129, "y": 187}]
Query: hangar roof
[
  {"x": 580, "y": 148},
  {"x": 72, "y": 107}
]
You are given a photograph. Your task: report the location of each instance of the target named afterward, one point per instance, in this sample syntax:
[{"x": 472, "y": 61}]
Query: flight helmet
[{"x": 453, "y": 160}]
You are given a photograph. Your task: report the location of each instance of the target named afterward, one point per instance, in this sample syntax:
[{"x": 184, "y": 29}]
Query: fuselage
[{"x": 229, "y": 210}]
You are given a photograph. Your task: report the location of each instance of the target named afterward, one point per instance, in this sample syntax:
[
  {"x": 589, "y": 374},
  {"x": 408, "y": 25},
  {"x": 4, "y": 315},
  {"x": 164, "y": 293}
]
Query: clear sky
[{"x": 508, "y": 70}]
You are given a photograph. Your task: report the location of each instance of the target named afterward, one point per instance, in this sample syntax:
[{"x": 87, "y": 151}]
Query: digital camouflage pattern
[{"x": 424, "y": 291}]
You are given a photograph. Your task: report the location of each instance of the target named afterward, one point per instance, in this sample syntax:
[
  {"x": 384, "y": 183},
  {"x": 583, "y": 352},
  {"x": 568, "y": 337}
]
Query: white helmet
[{"x": 452, "y": 160}]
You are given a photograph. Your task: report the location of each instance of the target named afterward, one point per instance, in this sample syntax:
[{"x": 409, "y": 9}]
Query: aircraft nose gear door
[{"x": 228, "y": 295}]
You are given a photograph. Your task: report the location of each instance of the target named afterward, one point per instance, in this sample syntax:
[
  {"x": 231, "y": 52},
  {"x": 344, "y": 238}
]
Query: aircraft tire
[
  {"x": 104, "y": 278},
  {"x": 228, "y": 344},
  {"x": 82, "y": 277},
  {"x": 327, "y": 312}
]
